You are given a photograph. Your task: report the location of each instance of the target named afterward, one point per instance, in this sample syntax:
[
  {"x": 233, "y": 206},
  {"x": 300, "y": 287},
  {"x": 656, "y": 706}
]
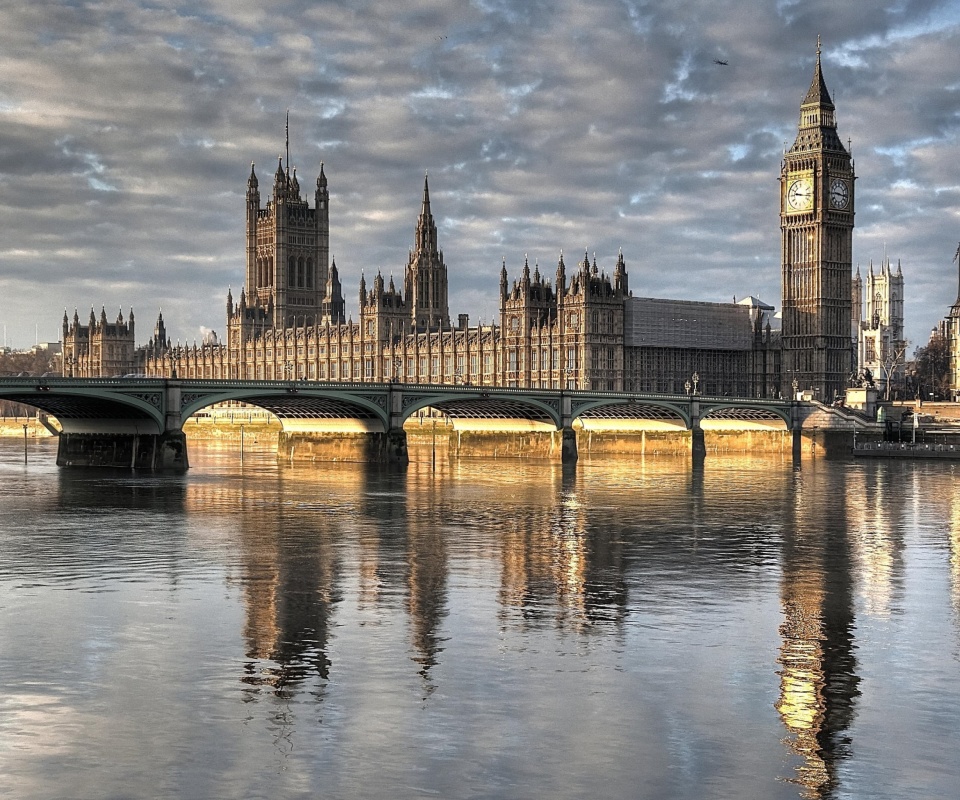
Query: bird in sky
[{"x": 721, "y": 63}]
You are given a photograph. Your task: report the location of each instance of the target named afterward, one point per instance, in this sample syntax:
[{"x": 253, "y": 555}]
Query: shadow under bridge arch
[
  {"x": 307, "y": 410},
  {"x": 731, "y": 416},
  {"x": 489, "y": 410},
  {"x": 632, "y": 415},
  {"x": 92, "y": 409}
]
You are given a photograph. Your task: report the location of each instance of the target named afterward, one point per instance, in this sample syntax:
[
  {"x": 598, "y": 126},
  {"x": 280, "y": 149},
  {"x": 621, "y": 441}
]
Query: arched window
[
  {"x": 309, "y": 273},
  {"x": 301, "y": 278}
]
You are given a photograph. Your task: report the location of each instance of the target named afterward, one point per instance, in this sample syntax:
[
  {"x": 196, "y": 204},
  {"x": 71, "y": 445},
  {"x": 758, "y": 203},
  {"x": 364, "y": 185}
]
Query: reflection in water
[
  {"x": 818, "y": 681},
  {"x": 555, "y": 565},
  {"x": 288, "y": 573},
  {"x": 874, "y": 507},
  {"x": 955, "y": 555},
  {"x": 336, "y": 630},
  {"x": 426, "y": 566}
]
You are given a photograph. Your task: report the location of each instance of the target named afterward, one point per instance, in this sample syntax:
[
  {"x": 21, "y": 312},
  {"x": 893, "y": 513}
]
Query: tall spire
[
  {"x": 818, "y": 125},
  {"x": 818, "y": 93},
  {"x": 288, "y": 140},
  {"x": 425, "y": 209},
  {"x": 426, "y": 229},
  {"x": 956, "y": 306},
  {"x": 425, "y": 281}
]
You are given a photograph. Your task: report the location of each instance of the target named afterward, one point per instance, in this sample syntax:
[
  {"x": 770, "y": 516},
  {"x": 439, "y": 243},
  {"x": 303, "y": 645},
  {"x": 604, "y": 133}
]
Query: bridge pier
[
  {"x": 148, "y": 451},
  {"x": 698, "y": 445},
  {"x": 368, "y": 447},
  {"x": 395, "y": 447},
  {"x": 568, "y": 446}
]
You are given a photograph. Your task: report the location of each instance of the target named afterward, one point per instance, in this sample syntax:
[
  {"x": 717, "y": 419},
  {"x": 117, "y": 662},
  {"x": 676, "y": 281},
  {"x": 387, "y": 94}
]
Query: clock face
[
  {"x": 839, "y": 194},
  {"x": 800, "y": 194}
]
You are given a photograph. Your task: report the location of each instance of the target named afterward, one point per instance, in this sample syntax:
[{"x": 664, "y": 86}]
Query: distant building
[
  {"x": 99, "y": 348},
  {"x": 877, "y": 319},
  {"x": 949, "y": 329}
]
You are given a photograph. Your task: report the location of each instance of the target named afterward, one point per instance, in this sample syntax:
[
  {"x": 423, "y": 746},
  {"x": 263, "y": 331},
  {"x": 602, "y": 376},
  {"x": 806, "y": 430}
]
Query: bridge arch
[
  {"x": 633, "y": 408},
  {"x": 91, "y": 407},
  {"x": 745, "y": 412},
  {"x": 296, "y": 403},
  {"x": 481, "y": 404}
]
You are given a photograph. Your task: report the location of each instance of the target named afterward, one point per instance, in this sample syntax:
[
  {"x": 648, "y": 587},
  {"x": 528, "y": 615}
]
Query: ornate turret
[
  {"x": 333, "y": 308},
  {"x": 620, "y": 279},
  {"x": 426, "y": 275}
]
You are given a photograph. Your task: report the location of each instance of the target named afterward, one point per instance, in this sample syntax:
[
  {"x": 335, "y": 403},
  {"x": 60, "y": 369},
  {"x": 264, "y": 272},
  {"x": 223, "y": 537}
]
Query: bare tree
[{"x": 933, "y": 366}]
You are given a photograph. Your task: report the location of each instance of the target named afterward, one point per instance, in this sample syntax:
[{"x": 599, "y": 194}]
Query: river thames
[{"x": 630, "y": 628}]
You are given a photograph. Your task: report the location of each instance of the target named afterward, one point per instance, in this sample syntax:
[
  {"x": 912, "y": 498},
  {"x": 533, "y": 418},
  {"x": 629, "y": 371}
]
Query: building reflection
[
  {"x": 955, "y": 556},
  {"x": 875, "y": 504},
  {"x": 818, "y": 680},
  {"x": 555, "y": 565},
  {"x": 426, "y": 561},
  {"x": 287, "y": 569}
]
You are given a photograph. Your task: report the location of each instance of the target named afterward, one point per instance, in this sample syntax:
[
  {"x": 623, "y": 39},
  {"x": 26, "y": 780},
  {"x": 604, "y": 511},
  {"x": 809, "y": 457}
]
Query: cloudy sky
[{"x": 127, "y": 129}]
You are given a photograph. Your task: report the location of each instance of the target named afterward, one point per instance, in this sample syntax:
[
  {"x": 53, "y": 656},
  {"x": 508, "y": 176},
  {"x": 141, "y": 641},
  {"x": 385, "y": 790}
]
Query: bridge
[{"x": 138, "y": 422}]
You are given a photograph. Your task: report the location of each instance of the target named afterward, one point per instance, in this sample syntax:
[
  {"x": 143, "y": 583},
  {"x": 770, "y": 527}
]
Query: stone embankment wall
[{"x": 13, "y": 426}]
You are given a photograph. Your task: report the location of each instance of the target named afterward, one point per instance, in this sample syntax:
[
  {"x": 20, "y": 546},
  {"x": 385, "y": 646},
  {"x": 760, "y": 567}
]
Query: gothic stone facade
[
  {"x": 100, "y": 347},
  {"x": 582, "y": 330}
]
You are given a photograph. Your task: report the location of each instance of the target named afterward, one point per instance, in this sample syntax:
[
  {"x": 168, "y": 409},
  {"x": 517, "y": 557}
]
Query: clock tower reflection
[{"x": 818, "y": 680}]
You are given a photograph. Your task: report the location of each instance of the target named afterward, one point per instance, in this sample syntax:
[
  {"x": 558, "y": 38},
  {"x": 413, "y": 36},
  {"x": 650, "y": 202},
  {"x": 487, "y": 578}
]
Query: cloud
[{"x": 127, "y": 130}]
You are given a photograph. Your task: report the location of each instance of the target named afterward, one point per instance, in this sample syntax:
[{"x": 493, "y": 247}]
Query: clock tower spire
[{"x": 816, "y": 224}]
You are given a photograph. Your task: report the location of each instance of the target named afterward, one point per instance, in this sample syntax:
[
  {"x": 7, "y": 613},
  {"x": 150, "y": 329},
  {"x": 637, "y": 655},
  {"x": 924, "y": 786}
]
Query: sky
[{"x": 127, "y": 130}]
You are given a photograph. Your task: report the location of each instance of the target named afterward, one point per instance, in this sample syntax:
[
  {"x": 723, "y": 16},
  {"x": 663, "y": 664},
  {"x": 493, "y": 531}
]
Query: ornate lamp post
[
  {"x": 397, "y": 365},
  {"x": 696, "y": 381},
  {"x": 686, "y": 386}
]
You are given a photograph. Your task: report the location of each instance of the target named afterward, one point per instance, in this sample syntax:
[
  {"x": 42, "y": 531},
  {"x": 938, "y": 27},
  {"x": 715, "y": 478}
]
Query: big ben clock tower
[{"x": 816, "y": 224}]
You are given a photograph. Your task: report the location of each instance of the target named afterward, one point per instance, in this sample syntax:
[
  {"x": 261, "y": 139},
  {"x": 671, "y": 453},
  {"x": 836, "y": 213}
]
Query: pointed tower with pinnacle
[
  {"x": 816, "y": 223},
  {"x": 425, "y": 282}
]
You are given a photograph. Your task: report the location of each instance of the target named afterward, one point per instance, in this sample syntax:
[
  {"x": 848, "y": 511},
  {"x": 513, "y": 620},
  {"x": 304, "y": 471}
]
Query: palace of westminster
[{"x": 582, "y": 330}]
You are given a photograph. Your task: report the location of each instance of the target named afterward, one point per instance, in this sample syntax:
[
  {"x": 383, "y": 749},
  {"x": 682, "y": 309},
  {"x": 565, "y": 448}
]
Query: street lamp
[
  {"x": 696, "y": 381},
  {"x": 795, "y": 385},
  {"x": 686, "y": 386},
  {"x": 397, "y": 364},
  {"x": 570, "y": 379}
]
